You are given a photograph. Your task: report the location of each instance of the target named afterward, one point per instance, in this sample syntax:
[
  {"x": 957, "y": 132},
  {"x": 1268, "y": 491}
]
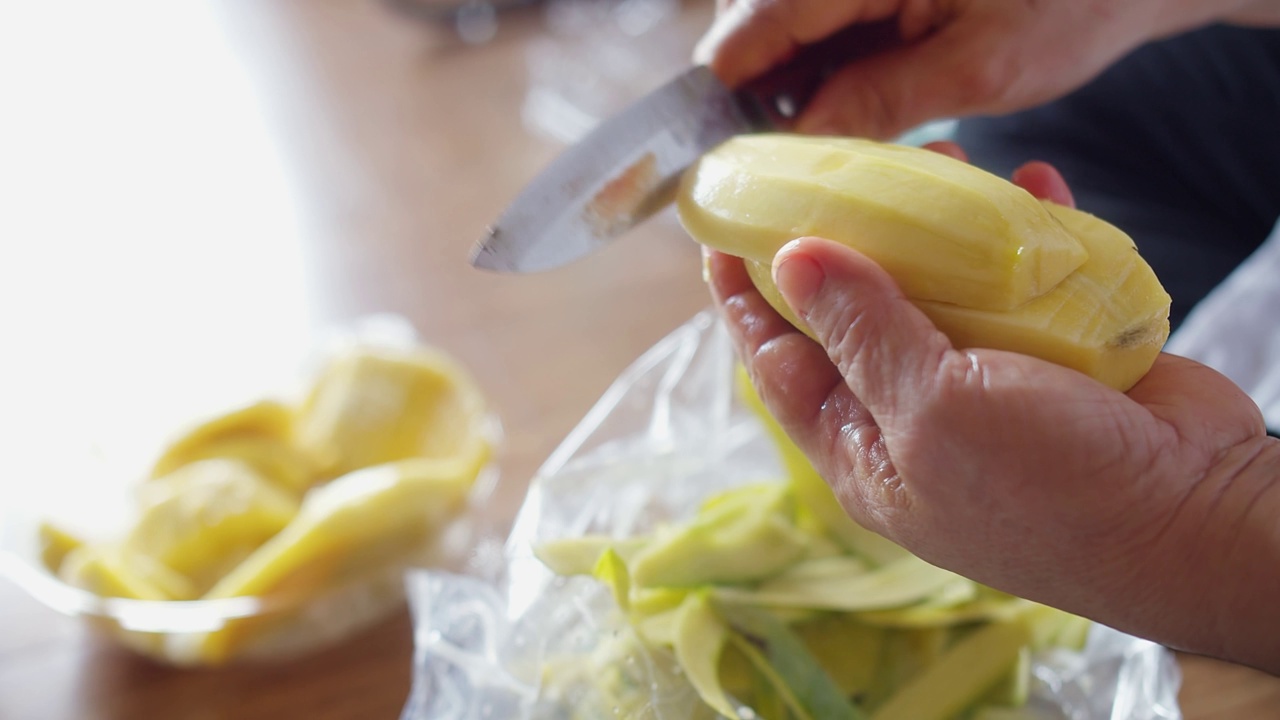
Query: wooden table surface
[{"x": 192, "y": 192}]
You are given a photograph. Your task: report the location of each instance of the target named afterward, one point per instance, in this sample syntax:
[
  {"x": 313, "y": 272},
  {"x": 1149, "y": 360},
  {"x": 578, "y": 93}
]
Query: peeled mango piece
[
  {"x": 204, "y": 518},
  {"x": 55, "y": 544},
  {"x": 276, "y": 459},
  {"x": 109, "y": 571},
  {"x": 365, "y": 519},
  {"x": 1106, "y": 317},
  {"x": 356, "y": 518},
  {"x": 259, "y": 434},
  {"x": 371, "y": 406},
  {"x": 946, "y": 230},
  {"x": 307, "y": 513}
]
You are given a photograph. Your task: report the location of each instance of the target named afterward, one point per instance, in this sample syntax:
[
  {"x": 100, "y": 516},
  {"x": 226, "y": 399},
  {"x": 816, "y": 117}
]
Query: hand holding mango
[
  {"x": 1135, "y": 509},
  {"x": 764, "y": 600}
]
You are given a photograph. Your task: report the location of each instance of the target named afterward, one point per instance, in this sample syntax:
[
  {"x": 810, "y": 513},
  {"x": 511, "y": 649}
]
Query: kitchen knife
[{"x": 628, "y": 167}]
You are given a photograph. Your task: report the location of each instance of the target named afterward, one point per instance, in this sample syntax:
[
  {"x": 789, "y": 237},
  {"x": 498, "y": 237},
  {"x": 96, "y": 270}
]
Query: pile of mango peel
[
  {"x": 287, "y": 501},
  {"x": 773, "y": 604}
]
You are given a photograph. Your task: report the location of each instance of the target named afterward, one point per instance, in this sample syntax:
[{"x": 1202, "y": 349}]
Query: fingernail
[{"x": 799, "y": 278}]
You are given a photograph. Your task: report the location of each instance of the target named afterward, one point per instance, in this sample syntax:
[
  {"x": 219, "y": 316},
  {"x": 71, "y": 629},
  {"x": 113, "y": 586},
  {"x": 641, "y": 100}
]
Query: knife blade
[
  {"x": 620, "y": 174},
  {"x": 628, "y": 167}
]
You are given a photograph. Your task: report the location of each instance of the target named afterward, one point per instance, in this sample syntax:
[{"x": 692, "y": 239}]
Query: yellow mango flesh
[
  {"x": 1108, "y": 319},
  {"x": 263, "y": 419},
  {"x": 115, "y": 572},
  {"x": 299, "y": 506},
  {"x": 370, "y": 407},
  {"x": 204, "y": 518},
  {"x": 357, "y": 516},
  {"x": 260, "y": 434},
  {"x": 990, "y": 265},
  {"x": 944, "y": 229},
  {"x": 56, "y": 544},
  {"x": 364, "y": 520}
]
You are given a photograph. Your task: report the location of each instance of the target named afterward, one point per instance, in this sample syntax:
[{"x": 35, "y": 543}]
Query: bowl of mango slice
[{"x": 280, "y": 526}]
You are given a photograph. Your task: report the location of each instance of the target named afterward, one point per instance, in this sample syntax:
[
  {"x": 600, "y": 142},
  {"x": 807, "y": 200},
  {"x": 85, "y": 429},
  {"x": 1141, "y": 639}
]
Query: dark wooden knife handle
[{"x": 781, "y": 94}]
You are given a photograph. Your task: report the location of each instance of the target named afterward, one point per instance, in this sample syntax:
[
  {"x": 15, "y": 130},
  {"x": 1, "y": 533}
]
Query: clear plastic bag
[{"x": 509, "y": 639}]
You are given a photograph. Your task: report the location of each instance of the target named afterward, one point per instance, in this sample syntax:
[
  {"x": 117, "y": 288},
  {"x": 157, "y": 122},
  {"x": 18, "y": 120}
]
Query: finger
[
  {"x": 948, "y": 148},
  {"x": 807, "y": 396},
  {"x": 1177, "y": 391},
  {"x": 884, "y": 95},
  {"x": 890, "y": 355},
  {"x": 1045, "y": 182},
  {"x": 753, "y": 36},
  {"x": 793, "y": 374}
]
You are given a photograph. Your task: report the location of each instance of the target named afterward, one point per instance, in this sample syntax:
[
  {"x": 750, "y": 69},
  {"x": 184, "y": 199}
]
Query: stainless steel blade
[{"x": 617, "y": 176}]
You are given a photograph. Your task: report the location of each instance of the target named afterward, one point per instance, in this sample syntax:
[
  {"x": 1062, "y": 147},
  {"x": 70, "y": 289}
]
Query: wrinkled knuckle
[
  {"x": 879, "y": 501},
  {"x": 957, "y": 375},
  {"x": 870, "y": 488},
  {"x": 843, "y": 327}
]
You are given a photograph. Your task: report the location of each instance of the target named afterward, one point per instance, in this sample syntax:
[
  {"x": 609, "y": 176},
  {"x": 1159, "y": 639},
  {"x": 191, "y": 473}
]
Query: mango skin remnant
[{"x": 1106, "y": 316}]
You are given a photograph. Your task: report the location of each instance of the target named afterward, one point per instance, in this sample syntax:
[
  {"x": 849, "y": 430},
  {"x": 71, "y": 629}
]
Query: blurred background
[
  {"x": 195, "y": 196},
  {"x": 193, "y": 193}
]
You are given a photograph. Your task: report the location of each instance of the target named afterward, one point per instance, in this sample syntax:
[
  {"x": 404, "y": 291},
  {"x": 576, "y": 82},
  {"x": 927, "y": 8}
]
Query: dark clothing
[{"x": 1178, "y": 144}]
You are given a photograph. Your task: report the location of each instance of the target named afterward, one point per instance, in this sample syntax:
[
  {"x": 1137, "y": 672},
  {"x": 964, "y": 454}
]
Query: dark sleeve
[{"x": 1178, "y": 144}]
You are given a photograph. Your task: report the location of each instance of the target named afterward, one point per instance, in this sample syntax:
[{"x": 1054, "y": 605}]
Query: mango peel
[
  {"x": 991, "y": 266},
  {"x": 825, "y": 630}
]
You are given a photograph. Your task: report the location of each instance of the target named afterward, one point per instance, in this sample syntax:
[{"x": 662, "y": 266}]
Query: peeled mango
[
  {"x": 285, "y": 502},
  {"x": 989, "y": 264},
  {"x": 205, "y": 518},
  {"x": 368, "y": 408}
]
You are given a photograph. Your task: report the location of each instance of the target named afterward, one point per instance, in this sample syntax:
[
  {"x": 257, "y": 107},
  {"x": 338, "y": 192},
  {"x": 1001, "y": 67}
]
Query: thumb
[
  {"x": 884, "y": 95},
  {"x": 890, "y": 354}
]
